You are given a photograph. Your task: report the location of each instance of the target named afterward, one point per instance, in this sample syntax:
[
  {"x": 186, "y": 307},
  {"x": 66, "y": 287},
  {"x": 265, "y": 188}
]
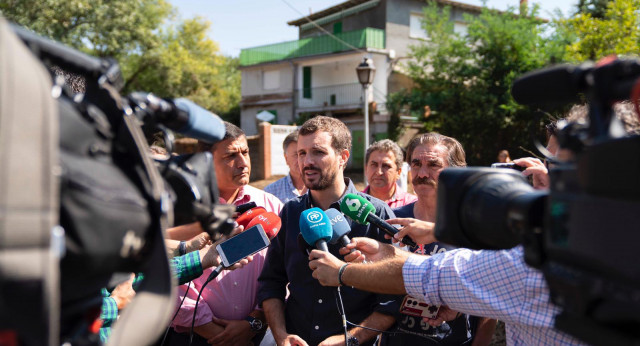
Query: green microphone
[{"x": 360, "y": 210}]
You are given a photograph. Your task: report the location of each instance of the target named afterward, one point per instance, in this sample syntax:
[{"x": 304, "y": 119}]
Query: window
[
  {"x": 337, "y": 28},
  {"x": 271, "y": 80},
  {"x": 415, "y": 27},
  {"x": 460, "y": 28},
  {"x": 306, "y": 82}
]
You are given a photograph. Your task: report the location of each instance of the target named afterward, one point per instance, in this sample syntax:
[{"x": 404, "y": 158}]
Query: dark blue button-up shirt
[{"x": 310, "y": 310}]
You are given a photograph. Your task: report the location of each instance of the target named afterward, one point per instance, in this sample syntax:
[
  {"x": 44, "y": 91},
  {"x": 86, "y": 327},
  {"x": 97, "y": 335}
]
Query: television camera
[
  {"x": 582, "y": 233},
  {"x": 106, "y": 200}
]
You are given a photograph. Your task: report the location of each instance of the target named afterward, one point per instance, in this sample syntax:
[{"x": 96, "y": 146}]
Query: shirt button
[
  {"x": 319, "y": 301},
  {"x": 235, "y": 283},
  {"x": 235, "y": 307},
  {"x": 317, "y": 327}
]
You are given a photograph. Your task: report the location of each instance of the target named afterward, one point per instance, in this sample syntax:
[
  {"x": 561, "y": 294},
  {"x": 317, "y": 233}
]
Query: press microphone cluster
[{"x": 362, "y": 211}]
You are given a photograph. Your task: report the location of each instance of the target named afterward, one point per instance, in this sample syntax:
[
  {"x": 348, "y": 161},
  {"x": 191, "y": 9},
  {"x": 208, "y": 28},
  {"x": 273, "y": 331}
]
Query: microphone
[
  {"x": 181, "y": 115},
  {"x": 302, "y": 244},
  {"x": 362, "y": 211},
  {"x": 315, "y": 228},
  {"x": 340, "y": 227},
  {"x": 244, "y": 207},
  {"x": 244, "y": 219},
  {"x": 270, "y": 222}
]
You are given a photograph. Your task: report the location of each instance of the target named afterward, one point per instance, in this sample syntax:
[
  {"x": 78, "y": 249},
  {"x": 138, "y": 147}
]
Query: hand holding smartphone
[{"x": 242, "y": 245}]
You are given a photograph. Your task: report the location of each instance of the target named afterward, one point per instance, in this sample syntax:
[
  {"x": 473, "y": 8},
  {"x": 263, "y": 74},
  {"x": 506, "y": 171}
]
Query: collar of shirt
[
  {"x": 241, "y": 198},
  {"x": 290, "y": 185},
  {"x": 396, "y": 195}
]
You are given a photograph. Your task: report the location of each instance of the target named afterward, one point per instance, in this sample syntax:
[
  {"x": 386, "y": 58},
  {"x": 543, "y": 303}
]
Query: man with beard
[
  {"x": 428, "y": 154},
  {"x": 309, "y": 315}
]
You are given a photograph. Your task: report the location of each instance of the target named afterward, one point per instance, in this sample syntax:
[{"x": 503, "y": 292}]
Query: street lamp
[{"x": 366, "y": 71}]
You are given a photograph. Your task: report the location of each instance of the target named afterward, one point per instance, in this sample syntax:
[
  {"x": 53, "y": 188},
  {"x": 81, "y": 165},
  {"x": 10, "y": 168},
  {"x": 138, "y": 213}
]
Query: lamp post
[{"x": 365, "y": 72}]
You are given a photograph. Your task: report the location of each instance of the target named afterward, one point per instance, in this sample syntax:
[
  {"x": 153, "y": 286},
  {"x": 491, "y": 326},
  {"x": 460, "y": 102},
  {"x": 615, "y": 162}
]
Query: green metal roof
[{"x": 364, "y": 38}]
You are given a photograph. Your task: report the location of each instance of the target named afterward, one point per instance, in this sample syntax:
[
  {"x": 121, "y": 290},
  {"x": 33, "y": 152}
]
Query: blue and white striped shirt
[
  {"x": 495, "y": 284},
  {"x": 283, "y": 189}
]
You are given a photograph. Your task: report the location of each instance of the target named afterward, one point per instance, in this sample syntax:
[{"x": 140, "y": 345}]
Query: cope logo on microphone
[{"x": 314, "y": 217}]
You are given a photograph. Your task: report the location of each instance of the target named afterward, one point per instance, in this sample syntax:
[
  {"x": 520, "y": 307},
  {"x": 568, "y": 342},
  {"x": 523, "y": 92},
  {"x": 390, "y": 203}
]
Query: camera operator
[{"x": 227, "y": 311}]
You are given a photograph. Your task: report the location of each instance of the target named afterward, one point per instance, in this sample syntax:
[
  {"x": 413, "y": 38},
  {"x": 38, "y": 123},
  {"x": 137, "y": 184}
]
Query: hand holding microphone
[{"x": 363, "y": 212}]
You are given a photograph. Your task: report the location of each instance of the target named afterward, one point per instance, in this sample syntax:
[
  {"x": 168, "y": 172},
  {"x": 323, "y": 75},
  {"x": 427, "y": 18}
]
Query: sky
[{"x": 238, "y": 24}]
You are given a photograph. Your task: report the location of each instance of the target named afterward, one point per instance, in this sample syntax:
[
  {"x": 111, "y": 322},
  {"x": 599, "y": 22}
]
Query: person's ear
[{"x": 344, "y": 157}]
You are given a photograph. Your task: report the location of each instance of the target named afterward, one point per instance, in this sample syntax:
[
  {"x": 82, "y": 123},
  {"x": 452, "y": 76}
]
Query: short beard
[
  {"x": 324, "y": 182},
  {"x": 424, "y": 181}
]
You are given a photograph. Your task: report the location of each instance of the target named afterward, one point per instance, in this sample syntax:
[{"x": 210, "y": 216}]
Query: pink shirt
[
  {"x": 400, "y": 198},
  {"x": 232, "y": 295}
]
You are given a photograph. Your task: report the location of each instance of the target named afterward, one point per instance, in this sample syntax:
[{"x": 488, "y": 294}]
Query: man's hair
[
  {"x": 291, "y": 138},
  {"x": 456, "y": 157},
  {"x": 625, "y": 111},
  {"x": 340, "y": 134},
  {"x": 386, "y": 145},
  {"x": 231, "y": 131}
]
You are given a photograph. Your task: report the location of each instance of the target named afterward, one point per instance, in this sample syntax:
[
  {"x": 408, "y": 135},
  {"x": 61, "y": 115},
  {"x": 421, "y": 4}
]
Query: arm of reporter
[
  {"x": 184, "y": 232},
  {"x": 420, "y": 231},
  {"x": 366, "y": 249},
  {"x": 382, "y": 276}
]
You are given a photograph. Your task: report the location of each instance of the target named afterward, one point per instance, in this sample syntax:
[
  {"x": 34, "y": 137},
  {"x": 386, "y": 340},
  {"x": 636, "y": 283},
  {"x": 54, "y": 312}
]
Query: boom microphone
[
  {"x": 269, "y": 221},
  {"x": 315, "y": 228},
  {"x": 340, "y": 227},
  {"x": 182, "y": 116},
  {"x": 362, "y": 211},
  {"x": 244, "y": 219}
]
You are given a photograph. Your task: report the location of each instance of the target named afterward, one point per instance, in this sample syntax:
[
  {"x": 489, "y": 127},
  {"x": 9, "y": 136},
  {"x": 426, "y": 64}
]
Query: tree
[
  {"x": 591, "y": 37},
  {"x": 466, "y": 80},
  {"x": 157, "y": 55},
  {"x": 98, "y": 27},
  {"x": 186, "y": 63}
]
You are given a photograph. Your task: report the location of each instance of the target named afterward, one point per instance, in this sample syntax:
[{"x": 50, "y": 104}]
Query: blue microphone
[
  {"x": 201, "y": 123},
  {"x": 340, "y": 227},
  {"x": 315, "y": 228}
]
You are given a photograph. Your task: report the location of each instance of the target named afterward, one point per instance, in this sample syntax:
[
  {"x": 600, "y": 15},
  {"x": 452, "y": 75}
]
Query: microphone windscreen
[
  {"x": 247, "y": 216},
  {"x": 338, "y": 223},
  {"x": 269, "y": 221},
  {"x": 357, "y": 208},
  {"x": 314, "y": 226}
]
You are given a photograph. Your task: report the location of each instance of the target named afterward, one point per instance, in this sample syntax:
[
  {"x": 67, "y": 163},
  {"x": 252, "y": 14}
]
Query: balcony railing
[
  {"x": 364, "y": 38},
  {"x": 335, "y": 95}
]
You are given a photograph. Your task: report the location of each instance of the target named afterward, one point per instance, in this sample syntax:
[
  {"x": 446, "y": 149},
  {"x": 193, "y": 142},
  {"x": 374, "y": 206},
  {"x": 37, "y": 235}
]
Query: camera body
[{"x": 581, "y": 233}]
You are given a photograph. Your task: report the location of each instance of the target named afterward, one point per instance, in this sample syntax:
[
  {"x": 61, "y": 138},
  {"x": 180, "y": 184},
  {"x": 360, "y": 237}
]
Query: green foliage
[
  {"x": 157, "y": 55},
  {"x": 592, "y": 37},
  {"x": 186, "y": 64},
  {"x": 466, "y": 80},
  {"x": 595, "y": 8},
  {"x": 98, "y": 27}
]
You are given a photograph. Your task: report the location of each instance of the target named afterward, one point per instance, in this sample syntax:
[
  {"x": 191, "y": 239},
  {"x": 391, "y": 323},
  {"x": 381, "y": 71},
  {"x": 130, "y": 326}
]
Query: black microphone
[
  {"x": 244, "y": 207},
  {"x": 363, "y": 212}
]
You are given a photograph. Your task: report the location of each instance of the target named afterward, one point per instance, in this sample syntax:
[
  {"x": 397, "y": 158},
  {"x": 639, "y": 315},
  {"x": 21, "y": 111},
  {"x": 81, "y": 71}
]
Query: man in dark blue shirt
[{"x": 310, "y": 316}]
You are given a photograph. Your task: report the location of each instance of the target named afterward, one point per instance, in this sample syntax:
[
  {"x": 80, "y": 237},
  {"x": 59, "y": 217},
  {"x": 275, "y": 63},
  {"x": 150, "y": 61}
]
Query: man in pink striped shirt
[
  {"x": 227, "y": 312},
  {"x": 383, "y": 165}
]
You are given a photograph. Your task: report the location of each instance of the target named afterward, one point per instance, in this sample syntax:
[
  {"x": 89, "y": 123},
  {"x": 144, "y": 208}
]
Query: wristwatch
[{"x": 256, "y": 324}]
